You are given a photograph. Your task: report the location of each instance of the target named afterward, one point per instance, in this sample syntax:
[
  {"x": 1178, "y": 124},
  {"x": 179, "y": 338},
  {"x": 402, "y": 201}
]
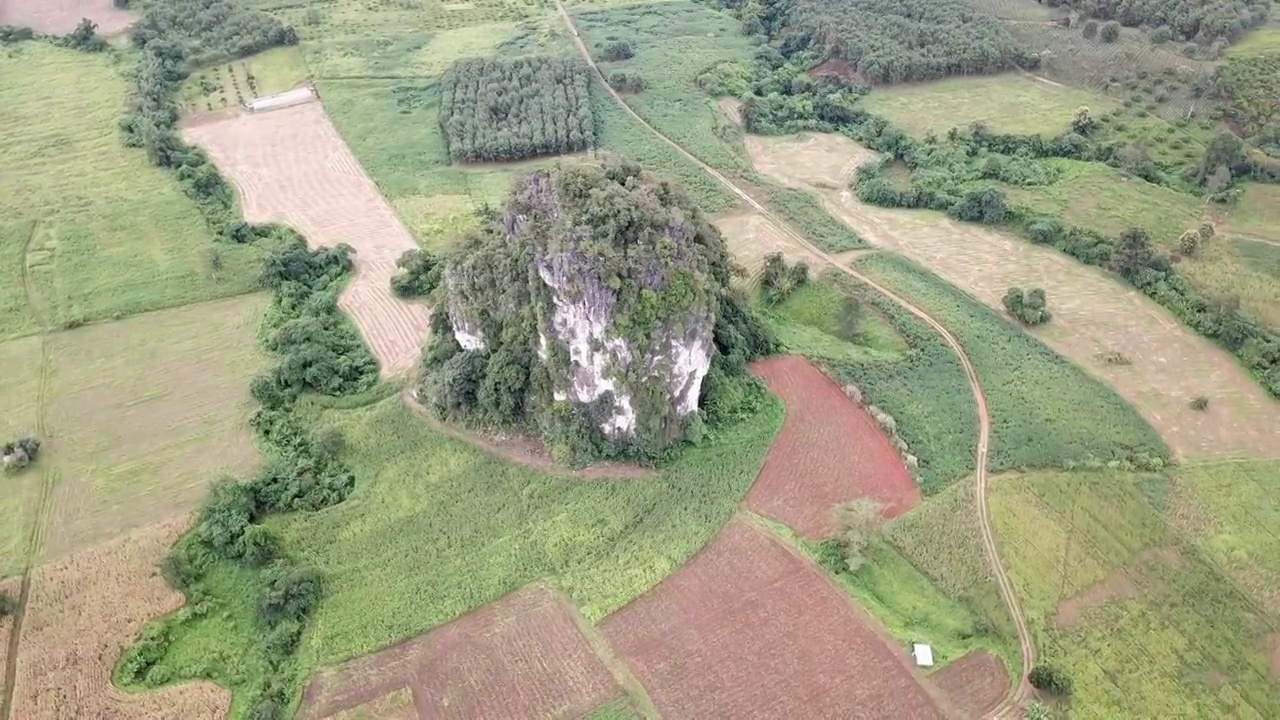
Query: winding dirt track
[{"x": 1010, "y": 703}]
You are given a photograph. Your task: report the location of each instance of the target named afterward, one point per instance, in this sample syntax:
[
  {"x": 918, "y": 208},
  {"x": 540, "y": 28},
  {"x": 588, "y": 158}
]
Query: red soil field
[
  {"x": 522, "y": 656},
  {"x": 749, "y": 629},
  {"x": 975, "y": 684},
  {"x": 830, "y": 452}
]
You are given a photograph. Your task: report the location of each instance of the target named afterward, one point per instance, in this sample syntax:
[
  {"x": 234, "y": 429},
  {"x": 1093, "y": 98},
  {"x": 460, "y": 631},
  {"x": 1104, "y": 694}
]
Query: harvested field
[
  {"x": 830, "y": 452},
  {"x": 82, "y": 612},
  {"x": 59, "y": 17},
  {"x": 1093, "y": 314},
  {"x": 749, "y": 629},
  {"x": 143, "y": 414},
  {"x": 291, "y": 166},
  {"x": 397, "y": 705},
  {"x": 975, "y": 683},
  {"x": 521, "y": 656},
  {"x": 750, "y": 237}
]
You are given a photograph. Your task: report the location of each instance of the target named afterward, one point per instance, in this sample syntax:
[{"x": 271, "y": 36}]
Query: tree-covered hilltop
[
  {"x": 594, "y": 308},
  {"x": 501, "y": 110}
]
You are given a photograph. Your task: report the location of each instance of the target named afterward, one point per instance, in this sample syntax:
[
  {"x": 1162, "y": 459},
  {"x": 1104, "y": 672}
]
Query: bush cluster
[
  {"x": 84, "y": 38},
  {"x": 418, "y": 274},
  {"x": 1051, "y": 679},
  {"x": 501, "y": 110},
  {"x": 626, "y": 82},
  {"x": 1027, "y": 306},
  {"x": 779, "y": 281},
  {"x": 1203, "y": 22},
  {"x": 18, "y": 454}
]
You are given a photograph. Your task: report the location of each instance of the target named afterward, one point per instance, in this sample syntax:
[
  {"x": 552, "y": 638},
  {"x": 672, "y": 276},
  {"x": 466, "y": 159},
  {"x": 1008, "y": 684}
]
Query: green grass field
[
  {"x": 1008, "y": 103},
  {"x": 20, "y": 389},
  {"x": 674, "y": 43},
  {"x": 1098, "y": 197},
  {"x": 1257, "y": 213},
  {"x": 900, "y": 366},
  {"x": 1045, "y": 411},
  {"x": 1153, "y": 628},
  {"x": 103, "y": 232},
  {"x": 435, "y": 528}
]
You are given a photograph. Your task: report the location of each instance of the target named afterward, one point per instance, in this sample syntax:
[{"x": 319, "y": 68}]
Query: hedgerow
[{"x": 501, "y": 110}]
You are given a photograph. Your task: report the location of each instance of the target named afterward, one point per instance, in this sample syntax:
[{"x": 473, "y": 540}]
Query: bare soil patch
[
  {"x": 524, "y": 450},
  {"x": 59, "y": 17},
  {"x": 522, "y": 656},
  {"x": 291, "y": 166},
  {"x": 975, "y": 683},
  {"x": 830, "y": 452},
  {"x": 82, "y": 612},
  {"x": 1093, "y": 313},
  {"x": 749, "y": 629},
  {"x": 1116, "y": 586},
  {"x": 839, "y": 68},
  {"x": 732, "y": 107}
]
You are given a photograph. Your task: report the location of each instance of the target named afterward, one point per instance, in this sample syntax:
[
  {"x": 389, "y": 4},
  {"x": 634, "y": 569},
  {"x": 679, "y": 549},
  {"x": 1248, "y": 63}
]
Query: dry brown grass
[
  {"x": 750, "y": 237},
  {"x": 60, "y": 17},
  {"x": 1093, "y": 313},
  {"x": 82, "y": 612},
  {"x": 291, "y": 166},
  {"x": 143, "y": 414}
]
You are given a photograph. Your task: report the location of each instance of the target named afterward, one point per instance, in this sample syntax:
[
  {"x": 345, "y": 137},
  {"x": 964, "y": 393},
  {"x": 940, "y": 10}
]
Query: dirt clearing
[
  {"x": 1167, "y": 364},
  {"x": 59, "y": 17},
  {"x": 291, "y": 166},
  {"x": 830, "y": 452},
  {"x": 83, "y": 611},
  {"x": 522, "y": 656},
  {"x": 975, "y": 683},
  {"x": 749, "y": 629}
]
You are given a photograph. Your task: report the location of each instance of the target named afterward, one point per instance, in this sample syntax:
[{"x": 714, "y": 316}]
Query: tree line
[
  {"x": 1204, "y": 21},
  {"x": 502, "y": 110}
]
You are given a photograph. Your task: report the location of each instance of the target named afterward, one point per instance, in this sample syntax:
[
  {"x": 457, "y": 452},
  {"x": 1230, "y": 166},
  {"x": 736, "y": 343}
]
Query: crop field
[
  {"x": 521, "y": 656},
  {"x": 747, "y": 617},
  {"x": 1257, "y": 213},
  {"x": 398, "y": 561},
  {"x": 1100, "y": 198},
  {"x": 1144, "y": 623},
  {"x": 143, "y": 414},
  {"x": 1045, "y": 411},
  {"x": 234, "y": 83},
  {"x": 107, "y": 234},
  {"x": 83, "y": 610},
  {"x": 20, "y": 388},
  {"x": 62, "y": 16},
  {"x": 829, "y": 453},
  {"x": 291, "y": 166},
  {"x": 1167, "y": 364},
  {"x": 975, "y": 683},
  {"x": 1007, "y": 103},
  {"x": 674, "y": 43}
]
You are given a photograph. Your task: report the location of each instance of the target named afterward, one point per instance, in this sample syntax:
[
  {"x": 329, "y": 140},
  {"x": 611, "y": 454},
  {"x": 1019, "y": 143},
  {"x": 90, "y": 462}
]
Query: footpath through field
[{"x": 1012, "y": 700}]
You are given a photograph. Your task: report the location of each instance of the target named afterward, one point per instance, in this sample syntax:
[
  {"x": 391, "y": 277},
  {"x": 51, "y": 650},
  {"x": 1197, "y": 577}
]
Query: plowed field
[
  {"x": 749, "y": 629},
  {"x": 82, "y": 612},
  {"x": 291, "y": 166},
  {"x": 830, "y": 452},
  {"x": 520, "y": 657},
  {"x": 975, "y": 683},
  {"x": 1092, "y": 313},
  {"x": 60, "y": 17}
]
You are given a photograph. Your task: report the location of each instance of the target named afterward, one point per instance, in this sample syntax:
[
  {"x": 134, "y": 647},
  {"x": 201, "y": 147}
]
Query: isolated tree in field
[
  {"x": 1199, "y": 403},
  {"x": 1225, "y": 150},
  {"x": 1029, "y": 307},
  {"x": 1132, "y": 253},
  {"x": 1109, "y": 32},
  {"x": 859, "y": 523},
  {"x": 20, "y": 453},
  {"x": 1051, "y": 679},
  {"x": 1189, "y": 243},
  {"x": 618, "y": 50},
  {"x": 1205, "y": 232},
  {"x": 1082, "y": 122},
  {"x": 779, "y": 281},
  {"x": 1090, "y": 30}
]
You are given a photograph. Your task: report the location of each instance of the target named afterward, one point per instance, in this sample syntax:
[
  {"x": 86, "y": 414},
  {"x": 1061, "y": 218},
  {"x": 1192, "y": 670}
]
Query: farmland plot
[
  {"x": 20, "y": 393},
  {"x": 291, "y": 166},
  {"x": 1093, "y": 314},
  {"x": 522, "y": 656},
  {"x": 829, "y": 453},
  {"x": 59, "y": 17},
  {"x": 82, "y": 612},
  {"x": 749, "y": 629}
]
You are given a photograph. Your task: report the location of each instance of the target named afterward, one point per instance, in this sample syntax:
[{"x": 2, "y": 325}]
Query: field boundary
[
  {"x": 622, "y": 674},
  {"x": 1026, "y": 647},
  {"x": 45, "y": 490}
]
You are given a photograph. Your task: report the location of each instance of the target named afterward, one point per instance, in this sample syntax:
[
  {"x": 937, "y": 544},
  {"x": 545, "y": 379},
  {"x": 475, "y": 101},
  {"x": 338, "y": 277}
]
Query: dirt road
[{"x": 1011, "y": 702}]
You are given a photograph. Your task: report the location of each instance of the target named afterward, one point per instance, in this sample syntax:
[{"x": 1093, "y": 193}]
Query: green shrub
[
  {"x": 8, "y": 605},
  {"x": 1110, "y": 32},
  {"x": 1029, "y": 307},
  {"x": 618, "y": 50},
  {"x": 1200, "y": 402},
  {"x": 1051, "y": 679},
  {"x": 831, "y": 556},
  {"x": 288, "y": 592}
]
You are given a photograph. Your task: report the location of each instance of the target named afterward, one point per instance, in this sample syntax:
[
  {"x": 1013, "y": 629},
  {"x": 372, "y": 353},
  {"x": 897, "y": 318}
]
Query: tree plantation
[
  {"x": 496, "y": 110},
  {"x": 1203, "y": 21}
]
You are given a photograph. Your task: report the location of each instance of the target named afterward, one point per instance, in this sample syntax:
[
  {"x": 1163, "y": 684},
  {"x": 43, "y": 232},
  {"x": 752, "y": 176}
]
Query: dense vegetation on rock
[
  {"x": 1204, "y": 21},
  {"x": 890, "y": 41},
  {"x": 589, "y": 309},
  {"x": 497, "y": 110}
]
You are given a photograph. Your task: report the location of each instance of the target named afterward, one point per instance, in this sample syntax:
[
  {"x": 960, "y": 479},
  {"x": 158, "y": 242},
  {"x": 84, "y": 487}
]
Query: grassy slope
[
  {"x": 1257, "y": 213},
  {"x": 1186, "y": 644},
  {"x": 113, "y": 235},
  {"x": 435, "y": 528},
  {"x": 1045, "y": 412},
  {"x": 1008, "y": 103}
]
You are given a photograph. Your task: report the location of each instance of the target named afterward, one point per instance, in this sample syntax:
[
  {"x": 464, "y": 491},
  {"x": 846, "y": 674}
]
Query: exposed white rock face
[
  {"x": 690, "y": 358},
  {"x": 467, "y": 333}
]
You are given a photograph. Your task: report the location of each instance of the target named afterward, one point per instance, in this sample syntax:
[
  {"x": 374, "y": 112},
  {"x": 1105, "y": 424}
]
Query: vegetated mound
[
  {"x": 890, "y": 41},
  {"x": 501, "y": 110},
  {"x": 589, "y": 309}
]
